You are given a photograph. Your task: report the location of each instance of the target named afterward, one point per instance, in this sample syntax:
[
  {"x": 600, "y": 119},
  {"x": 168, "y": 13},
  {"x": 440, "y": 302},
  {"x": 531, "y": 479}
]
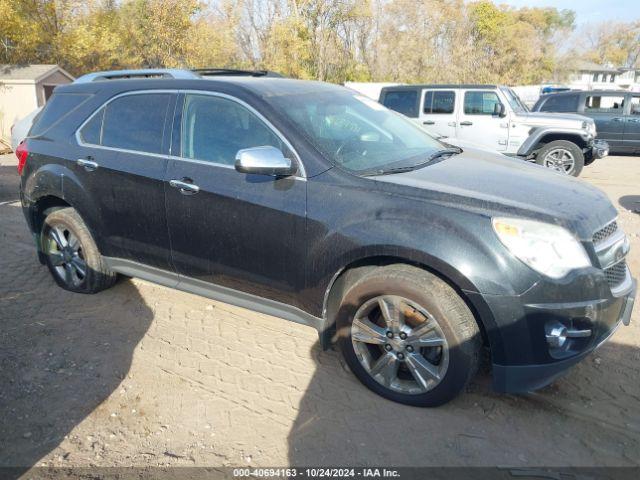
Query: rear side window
[
  {"x": 58, "y": 107},
  {"x": 438, "y": 101},
  {"x": 480, "y": 103},
  {"x": 131, "y": 122},
  {"x": 604, "y": 103},
  {"x": 561, "y": 103},
  {"x": 402, "y": 101}
]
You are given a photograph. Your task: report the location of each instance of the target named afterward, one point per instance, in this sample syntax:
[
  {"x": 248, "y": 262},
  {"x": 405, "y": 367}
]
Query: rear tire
[
  {"x": 71, "y": 254},
  {"x": 426, "y": 356},
  {"x": 562, "y": 156}
]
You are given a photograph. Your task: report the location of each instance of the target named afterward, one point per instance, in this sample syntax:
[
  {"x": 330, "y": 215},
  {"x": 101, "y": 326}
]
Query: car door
[
  {"x": 631, "y": 140},
  {"x": 231, "y": 229},
  {"x": 607, "y": 111},
  {"x": 121, "y": 161},
  {"x": 478, "y": 122},
  {"x": 438, "y": 114}
]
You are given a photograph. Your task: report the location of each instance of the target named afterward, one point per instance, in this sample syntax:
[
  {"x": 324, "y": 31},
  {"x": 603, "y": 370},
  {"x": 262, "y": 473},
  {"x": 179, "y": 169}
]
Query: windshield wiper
[{"x": 445, "y": 152}]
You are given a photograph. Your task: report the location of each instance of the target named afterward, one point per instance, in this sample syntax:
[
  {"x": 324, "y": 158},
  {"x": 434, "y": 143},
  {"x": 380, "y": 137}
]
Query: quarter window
[
  {"x": 480, "y": 103},
  {"x": 92, "y": 131},
  {"x": 635, "y": 105},
  {"x": 604, "y": 103},
  {"x": 215, "y": 128},
  {"x": 439, "y": 102},
  {"x": 402, "y": 101}
]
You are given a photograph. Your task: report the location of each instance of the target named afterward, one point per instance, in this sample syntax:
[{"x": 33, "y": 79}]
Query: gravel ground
[{"x": 147, "y": 376}]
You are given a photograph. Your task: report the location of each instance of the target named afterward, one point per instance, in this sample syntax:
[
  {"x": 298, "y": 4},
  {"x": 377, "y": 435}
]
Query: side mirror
[
  {"x": 266, "y": 160},
  {"x": 499, "y": 110}
]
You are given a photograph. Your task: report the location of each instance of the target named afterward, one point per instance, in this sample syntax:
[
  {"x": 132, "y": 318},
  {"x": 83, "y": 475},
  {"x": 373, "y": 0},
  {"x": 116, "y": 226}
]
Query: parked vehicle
[
  {"x": 307, "y": 201},
  {"x": 495, "y": 117},
  {"x": 616, "y": 114}
]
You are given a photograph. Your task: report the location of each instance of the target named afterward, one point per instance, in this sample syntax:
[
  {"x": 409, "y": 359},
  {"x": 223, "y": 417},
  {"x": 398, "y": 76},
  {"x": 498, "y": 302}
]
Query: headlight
[{"x": 548, "y": 249}]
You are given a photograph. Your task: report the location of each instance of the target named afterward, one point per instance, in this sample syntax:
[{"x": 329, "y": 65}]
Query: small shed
[{"x": 23, "y": 88}]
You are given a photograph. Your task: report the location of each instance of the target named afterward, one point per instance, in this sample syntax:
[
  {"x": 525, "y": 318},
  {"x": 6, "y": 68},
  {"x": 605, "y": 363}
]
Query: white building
[
  {"x": 591, "y": 76},
  {"x": 23, "y": 88}
]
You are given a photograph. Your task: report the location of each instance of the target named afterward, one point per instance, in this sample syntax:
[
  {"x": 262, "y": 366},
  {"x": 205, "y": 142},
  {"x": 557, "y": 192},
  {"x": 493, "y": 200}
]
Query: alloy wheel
[
  {"x": 560, "y": 160},
  {"x": 400, "y": 344},
  {"x": 66, "y": 255}
]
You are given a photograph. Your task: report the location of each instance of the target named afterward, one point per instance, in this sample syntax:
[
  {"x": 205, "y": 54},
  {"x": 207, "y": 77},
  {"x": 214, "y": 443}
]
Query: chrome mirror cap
[{"x": 265, "y": 160}]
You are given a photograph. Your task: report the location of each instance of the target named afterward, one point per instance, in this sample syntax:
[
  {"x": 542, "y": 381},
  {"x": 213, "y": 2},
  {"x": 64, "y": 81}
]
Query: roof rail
[
  {"x": 209, "y": 72},
  {"x": 144, "y": 73}
]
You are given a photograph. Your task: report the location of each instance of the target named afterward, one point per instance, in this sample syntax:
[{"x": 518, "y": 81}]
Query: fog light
[{"x": 556, "y": 334}]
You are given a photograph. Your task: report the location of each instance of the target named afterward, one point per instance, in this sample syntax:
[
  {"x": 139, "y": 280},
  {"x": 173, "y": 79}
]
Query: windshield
[
  {"x": 356, "y": 132},
  {"x": 514, "y": 100}
]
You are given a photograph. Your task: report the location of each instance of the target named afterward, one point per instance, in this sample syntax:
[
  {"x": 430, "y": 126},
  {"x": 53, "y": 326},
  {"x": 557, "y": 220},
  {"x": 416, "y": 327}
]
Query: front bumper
[
  {"x": 528, "y": 361},
  {"x": 599, "y": 149}
]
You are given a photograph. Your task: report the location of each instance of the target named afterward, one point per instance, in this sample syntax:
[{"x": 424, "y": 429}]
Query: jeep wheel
[
  {"x": 408, "y": 336},
  {"x": 71, "y": 254},
  {"x": 562, "y": 156}
]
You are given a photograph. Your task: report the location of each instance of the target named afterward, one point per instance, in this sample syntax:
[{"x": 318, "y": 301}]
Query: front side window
[
  {"x": 480, "y": 103},
  {"x": 215, "y": 128},
  {"x": 402, "y": 101},
  {"x": 355, "y": 132},
  {"x": 439, "y": 102},
  {"x": 131, "y": 122},
  {"x": 604, "y": 103}
]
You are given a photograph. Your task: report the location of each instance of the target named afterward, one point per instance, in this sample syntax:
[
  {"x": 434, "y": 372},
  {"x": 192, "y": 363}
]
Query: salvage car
[
  {"x": 309, "y": 202},
  {"x": 495, "y": 117}
]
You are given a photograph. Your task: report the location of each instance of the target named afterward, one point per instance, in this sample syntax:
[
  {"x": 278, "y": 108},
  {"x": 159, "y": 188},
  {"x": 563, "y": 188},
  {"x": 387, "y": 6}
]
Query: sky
[{"x": 587, "y": 11}]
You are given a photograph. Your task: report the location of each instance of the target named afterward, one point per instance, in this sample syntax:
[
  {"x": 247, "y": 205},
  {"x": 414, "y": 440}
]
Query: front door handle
[
  {"x": 429, "y": 122},
  {"x": 89, "y": 165},
  {"x": 466, "y": 123},
  {"x": 185, "y": 186},
  {"x": 617, "y": 119}
]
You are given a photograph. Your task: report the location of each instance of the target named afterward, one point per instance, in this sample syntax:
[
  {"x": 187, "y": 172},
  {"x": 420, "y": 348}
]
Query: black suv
[
  {"x": 616, "y": 113},
  {"x": 307, "y": 201}
]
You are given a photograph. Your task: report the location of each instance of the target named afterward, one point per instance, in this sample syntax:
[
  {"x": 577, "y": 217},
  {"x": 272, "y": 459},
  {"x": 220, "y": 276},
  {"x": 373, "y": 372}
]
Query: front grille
[
  {"x": 616, "y": 274},
  {"x": 605, "y": 232}
]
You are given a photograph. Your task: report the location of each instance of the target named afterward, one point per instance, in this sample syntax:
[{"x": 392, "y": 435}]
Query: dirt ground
[{"x": 147, "y": 376}]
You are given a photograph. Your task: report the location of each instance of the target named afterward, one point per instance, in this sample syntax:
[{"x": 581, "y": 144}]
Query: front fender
[{"x": 538, "y": 134}]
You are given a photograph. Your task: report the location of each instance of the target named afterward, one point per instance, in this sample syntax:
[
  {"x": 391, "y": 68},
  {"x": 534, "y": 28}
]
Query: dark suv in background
[
  {"x": 616, "y": 113},
  {"x": 310, "y": 202}
]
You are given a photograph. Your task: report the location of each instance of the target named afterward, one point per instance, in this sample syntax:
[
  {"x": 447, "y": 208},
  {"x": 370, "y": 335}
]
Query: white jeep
[{"x": 493, "y": 117}]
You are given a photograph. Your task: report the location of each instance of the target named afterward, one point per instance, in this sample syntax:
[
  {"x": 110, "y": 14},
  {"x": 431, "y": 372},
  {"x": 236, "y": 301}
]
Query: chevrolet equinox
[{"x": 309, "y": 202}]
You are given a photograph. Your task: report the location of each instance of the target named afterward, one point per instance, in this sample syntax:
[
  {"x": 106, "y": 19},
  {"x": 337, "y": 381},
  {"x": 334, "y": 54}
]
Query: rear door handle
[
  {"x": 617, "y": 119},
  {"x": 429, "y": 122},
  {"x": 466, "y": 123},
  {"x": 89, "y": 165},
  {"x": 185, "y": 186}
]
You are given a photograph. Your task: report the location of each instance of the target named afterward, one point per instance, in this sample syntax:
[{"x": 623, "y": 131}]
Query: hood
[
  {"x": 492, "y": 184},
  {"x": 549, "y": 119}
]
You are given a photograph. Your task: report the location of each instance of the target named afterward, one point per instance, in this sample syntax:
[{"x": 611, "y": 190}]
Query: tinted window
[
  {"x": 439, "y": 102},
  {"x": 214, "y": 129},
  {"x": 58, "y": 107},
  {"x": 92, "y": 130},
  {"x": 480, "y": 103},
  {"x": 561, "y": 103},
  {"x": 604, "y": 103},
  {"x": 403, "y": 101},
  {"x": 135, "y": 122}
]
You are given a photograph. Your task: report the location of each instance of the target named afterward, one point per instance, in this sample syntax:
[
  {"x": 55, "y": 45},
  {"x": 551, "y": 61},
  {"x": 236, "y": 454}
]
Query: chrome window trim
[{"x": 301, "y": 173}]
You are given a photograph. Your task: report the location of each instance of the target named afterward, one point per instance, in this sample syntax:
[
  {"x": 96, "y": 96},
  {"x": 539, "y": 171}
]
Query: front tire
[
  {"x": 562, "y": 156},
  {"x": 408, "y": 336},
  {"x": 71, "y": 253}
]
